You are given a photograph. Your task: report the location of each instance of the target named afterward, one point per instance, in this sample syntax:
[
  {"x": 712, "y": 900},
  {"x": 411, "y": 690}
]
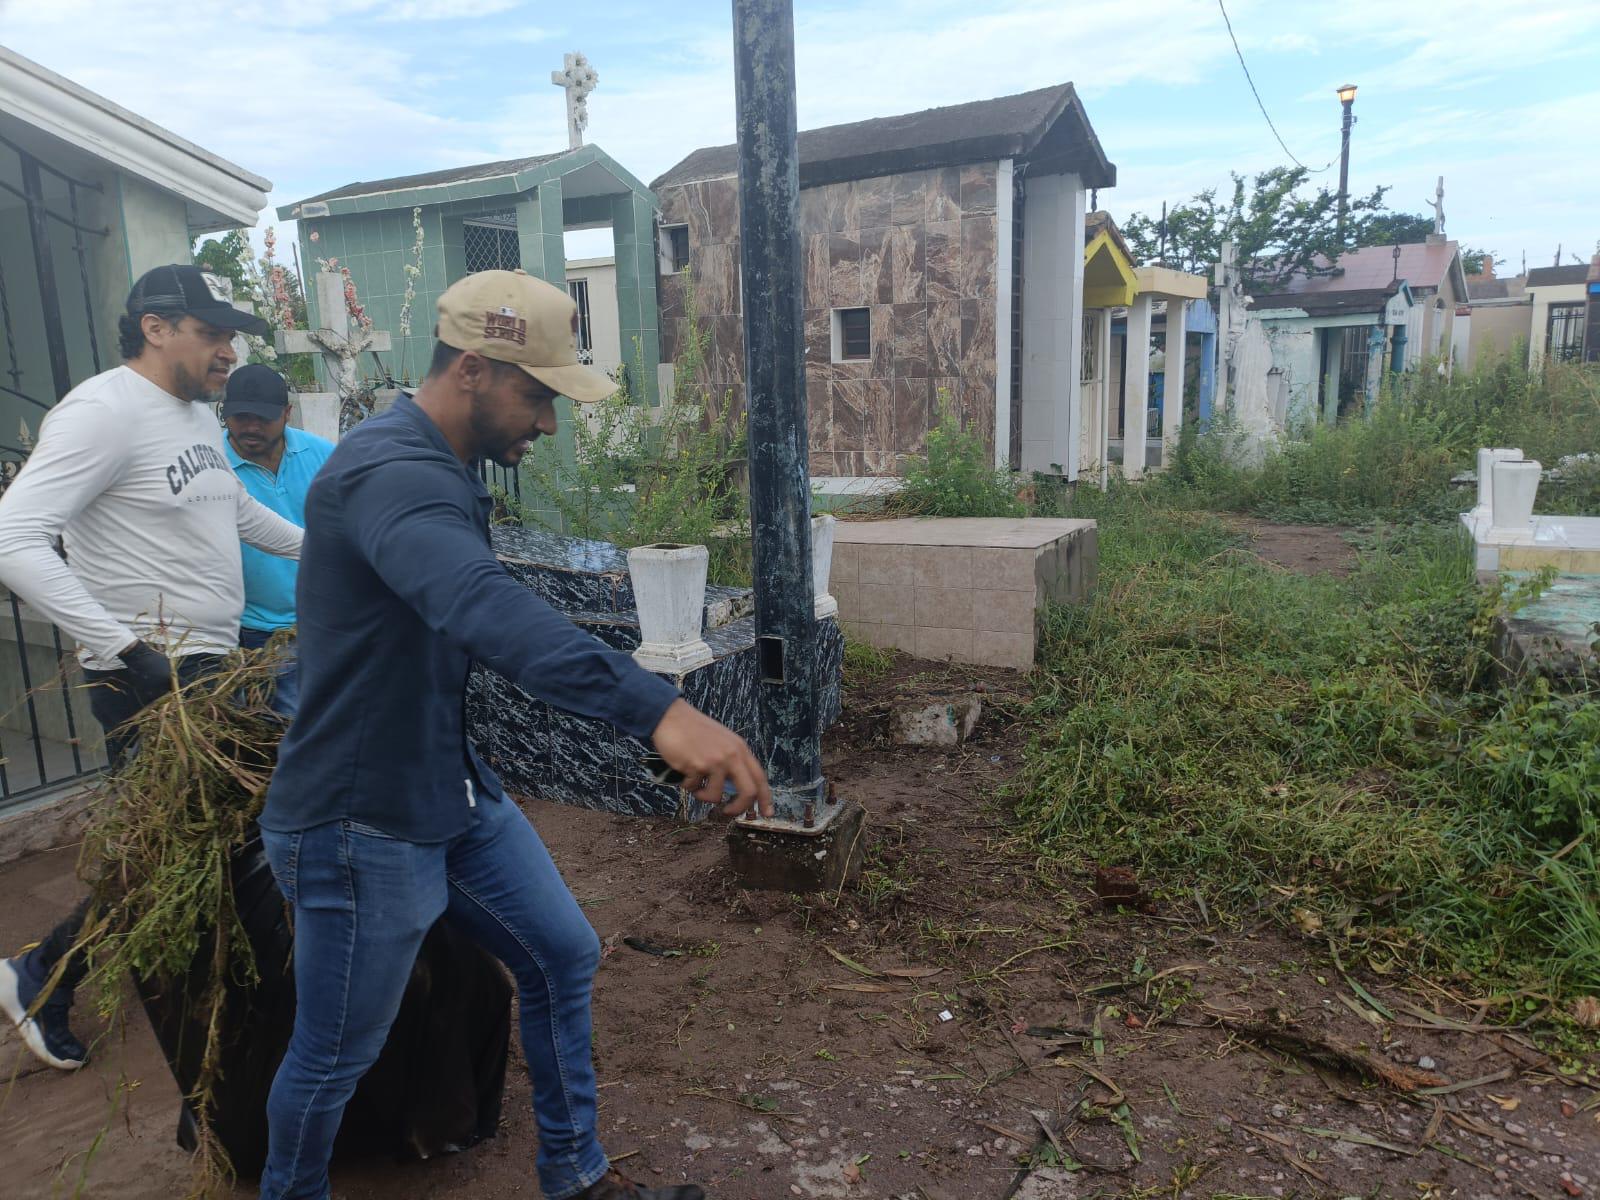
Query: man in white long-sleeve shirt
[{"x": 129, "y": 472}]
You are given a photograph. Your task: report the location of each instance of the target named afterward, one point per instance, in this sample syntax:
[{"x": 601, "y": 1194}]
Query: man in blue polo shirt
[{"x": 276, "y": 464}]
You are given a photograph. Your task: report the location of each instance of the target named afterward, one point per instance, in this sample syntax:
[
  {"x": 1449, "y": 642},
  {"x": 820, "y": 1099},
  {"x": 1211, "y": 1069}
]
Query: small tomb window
[
  {"x": 852, "y": 334},
  {"x": 674, "y": 248}
]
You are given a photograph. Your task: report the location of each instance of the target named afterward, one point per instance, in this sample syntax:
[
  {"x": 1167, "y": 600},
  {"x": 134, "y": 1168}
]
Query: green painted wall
[
  {"x": 144, "y": 226},
  {"x": 376, "y": 244}
]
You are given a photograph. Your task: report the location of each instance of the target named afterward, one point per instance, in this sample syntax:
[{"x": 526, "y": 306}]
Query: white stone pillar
[
  {"x": 1176, "y": 347},
  {"x": 1004, "y": 285},
  {"x": 1075, "y": 207},
  {"x": 1136, "y": 408},
  {"x": 1102, "y": 398}
]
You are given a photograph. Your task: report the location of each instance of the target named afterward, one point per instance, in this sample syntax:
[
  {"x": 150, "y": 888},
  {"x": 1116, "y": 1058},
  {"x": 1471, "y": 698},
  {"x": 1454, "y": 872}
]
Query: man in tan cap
[{"x": 381, "y": 817}]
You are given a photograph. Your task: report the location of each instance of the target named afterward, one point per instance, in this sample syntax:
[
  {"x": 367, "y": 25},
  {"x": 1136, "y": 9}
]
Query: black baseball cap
[
  {"x": 178, "y": 290},
  {"x": 257, "y": 390}
]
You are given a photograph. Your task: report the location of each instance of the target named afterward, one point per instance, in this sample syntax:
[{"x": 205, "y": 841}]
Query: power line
[{"x": 1262, "y": 106}]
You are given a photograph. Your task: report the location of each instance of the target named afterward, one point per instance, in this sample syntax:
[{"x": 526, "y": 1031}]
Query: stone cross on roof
[{"x": 579, "y": 79}]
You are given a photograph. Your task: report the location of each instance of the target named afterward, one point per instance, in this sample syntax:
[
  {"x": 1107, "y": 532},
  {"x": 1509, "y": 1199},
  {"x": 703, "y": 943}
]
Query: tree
[
  {"x": 227, "y": 256},
  {"x": 1395, "y": 229},
  {"x": 1279, "y": 230},
  {"x": 232, "y": 257},
  {"x": 1473, "y": 261}
]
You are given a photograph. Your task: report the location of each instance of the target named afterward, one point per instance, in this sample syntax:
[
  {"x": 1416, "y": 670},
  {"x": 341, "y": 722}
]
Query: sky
[{"x": 1500, "y": 99}]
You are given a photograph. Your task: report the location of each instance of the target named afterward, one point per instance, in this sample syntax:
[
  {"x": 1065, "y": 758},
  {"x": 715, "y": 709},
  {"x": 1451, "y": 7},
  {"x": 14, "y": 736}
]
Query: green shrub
[
  {"x": 639, "y": 475},
  {"x": 956, "y": 477}
]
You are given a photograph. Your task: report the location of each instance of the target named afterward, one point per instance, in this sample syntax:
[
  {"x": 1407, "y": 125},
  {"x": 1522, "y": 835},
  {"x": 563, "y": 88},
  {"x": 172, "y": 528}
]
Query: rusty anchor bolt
[
  {"x": 833, "y": 797},
  {"x": 809, "y": 817}
]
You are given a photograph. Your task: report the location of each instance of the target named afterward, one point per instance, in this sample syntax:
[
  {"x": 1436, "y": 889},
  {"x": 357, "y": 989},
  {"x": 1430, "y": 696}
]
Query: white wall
[
  {"x": 604, "y": 328},
  {"x": 1296, "y": 352},
  {"x": 1052, "y": 333},
  {"x": 1543, "y": 298}
]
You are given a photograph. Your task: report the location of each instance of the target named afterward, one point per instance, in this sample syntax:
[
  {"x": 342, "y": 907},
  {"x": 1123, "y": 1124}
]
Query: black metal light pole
[
  {"x": 774, "y": 362},
  {"x": 1347, "y": 100}
]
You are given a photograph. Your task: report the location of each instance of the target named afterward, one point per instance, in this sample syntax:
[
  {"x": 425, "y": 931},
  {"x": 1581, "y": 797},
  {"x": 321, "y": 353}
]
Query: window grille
[
  {"x": 675, "y": 247},
  {"x": 578, "y": 289},
  {"x": 1564, "y": 334},
  {"x": 489, "y": 243}
]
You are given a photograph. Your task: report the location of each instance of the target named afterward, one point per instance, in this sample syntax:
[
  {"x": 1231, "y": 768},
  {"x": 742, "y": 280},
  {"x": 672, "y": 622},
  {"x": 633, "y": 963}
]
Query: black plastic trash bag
[{"x": 436, "y": 1087}]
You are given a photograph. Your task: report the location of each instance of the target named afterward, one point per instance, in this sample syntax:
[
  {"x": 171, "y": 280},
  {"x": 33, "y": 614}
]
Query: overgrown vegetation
[
  {"x": 639, "y": 474},
  {"x": 956, "y": 476},
  {"x": 1396, "y": 463},
  {"x": 1337, "y": 748}
]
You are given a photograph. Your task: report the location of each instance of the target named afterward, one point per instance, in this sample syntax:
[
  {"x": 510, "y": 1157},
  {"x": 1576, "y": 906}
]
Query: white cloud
[
  {"x": 440, "y": 10},
  {"x": 329, "y": 91}
]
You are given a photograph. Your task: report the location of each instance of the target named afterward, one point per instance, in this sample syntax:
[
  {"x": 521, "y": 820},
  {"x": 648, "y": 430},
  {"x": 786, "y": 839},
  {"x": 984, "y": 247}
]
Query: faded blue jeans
[
  {"x": 286, "y": 678},
  {"x": 362, "y": 903}
]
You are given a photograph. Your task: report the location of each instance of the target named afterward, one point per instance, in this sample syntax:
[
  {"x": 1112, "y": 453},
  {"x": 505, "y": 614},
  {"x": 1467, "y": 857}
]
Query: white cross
[
  {"x": 579, "y": 79},
  {"x": 340, "y": 341}
]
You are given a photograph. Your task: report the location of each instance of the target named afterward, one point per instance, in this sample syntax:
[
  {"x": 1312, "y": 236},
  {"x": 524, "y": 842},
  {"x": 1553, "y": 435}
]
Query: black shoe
[
  {"x": 614, "y": 1186},
  {"x": 46, "y": 1033}
]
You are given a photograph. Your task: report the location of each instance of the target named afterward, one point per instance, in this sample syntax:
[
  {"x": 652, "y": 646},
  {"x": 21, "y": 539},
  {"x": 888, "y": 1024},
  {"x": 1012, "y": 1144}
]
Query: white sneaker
[{"x": 46, "y": 1033}]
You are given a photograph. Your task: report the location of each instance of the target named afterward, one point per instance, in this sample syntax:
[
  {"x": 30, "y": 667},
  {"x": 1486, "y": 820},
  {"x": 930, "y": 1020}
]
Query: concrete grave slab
[{"x": 966, "y": 589}]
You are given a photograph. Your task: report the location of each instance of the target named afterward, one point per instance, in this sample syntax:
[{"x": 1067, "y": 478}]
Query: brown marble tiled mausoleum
[{"x": 913, "y": 270}]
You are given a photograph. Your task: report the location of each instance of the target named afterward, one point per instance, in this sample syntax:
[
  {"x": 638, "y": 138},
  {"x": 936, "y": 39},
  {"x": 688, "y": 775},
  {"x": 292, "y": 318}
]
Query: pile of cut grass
[{"x": 156, "y": 853}]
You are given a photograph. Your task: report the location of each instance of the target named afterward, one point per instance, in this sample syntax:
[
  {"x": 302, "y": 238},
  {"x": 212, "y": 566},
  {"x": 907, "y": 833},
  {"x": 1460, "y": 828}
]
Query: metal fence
[
  {"x": 48, "y": 738},
  {"x": 47, "y": 303}
]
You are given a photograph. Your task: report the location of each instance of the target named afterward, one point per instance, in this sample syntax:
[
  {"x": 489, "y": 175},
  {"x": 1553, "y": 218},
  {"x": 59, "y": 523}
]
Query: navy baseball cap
[
  {"x": 178, "y": 290},
  {"x": 256, "y": 390}
]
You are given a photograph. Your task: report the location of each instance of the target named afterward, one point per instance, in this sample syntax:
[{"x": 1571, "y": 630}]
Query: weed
[
  {"x": 956, "y": 477},
  {"x": 1396, "y": 462},
  {"x": 1215, "y": 721},
  {"x": 639, "y": 475},
  {"x": 864, "y": 661}
]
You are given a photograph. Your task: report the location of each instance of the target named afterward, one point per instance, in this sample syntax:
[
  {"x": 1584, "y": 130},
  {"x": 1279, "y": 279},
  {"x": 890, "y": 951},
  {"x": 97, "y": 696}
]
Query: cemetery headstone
[{"x": 341, "y": 341}]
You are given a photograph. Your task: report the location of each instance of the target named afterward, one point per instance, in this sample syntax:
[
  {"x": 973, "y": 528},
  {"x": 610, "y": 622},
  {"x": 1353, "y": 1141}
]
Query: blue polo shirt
[{"x": 269, "y": 580}]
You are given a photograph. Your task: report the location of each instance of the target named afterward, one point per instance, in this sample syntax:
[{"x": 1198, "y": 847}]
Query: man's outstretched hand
[{"x": 711, "y": 755}]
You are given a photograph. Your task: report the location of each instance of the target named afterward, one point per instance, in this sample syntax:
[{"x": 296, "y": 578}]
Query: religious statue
[
  {"x": 579, "y": 79},
  {"x": 1437, "y": 204}
]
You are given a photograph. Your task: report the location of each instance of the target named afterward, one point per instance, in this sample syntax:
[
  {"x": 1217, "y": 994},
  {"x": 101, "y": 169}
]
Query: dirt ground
[
  {"x": 1309, "y": 549},
  {"x": 963, "y": 1023}
]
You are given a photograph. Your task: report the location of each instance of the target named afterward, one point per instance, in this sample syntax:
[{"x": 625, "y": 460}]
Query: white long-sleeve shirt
[{"x": 136, "y": 483}]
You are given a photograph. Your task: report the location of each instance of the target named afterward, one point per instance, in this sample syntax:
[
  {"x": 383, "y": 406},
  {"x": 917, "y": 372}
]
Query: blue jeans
[
  {"x": 362, "y": 903},
  {"x": 286, "y": 681}
]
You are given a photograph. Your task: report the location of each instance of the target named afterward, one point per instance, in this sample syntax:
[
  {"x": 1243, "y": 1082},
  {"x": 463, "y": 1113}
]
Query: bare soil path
[
  {"x": 1308, "y": 549},
  {"x": 966, "y": 1023}
]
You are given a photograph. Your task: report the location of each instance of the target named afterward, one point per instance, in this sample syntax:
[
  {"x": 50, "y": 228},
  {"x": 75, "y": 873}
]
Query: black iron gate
[{"x": 42, "y": 710}]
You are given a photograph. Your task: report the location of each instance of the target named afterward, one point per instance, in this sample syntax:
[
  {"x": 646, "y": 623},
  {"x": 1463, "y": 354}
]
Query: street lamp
[{"x": 1347, "y": 99}]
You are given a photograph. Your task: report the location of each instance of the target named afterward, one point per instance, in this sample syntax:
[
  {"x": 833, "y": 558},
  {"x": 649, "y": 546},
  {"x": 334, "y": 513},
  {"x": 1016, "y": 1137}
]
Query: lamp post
[{"x": 1347, "y": 100}]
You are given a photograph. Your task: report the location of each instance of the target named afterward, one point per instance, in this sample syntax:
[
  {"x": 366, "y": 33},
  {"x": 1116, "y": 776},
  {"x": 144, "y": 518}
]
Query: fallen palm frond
[{"x": 162, "y": 830}]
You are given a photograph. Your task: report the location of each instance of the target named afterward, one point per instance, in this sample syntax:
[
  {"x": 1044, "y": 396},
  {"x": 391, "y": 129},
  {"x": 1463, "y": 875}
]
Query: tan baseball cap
[{"x": 512, "y": 317}]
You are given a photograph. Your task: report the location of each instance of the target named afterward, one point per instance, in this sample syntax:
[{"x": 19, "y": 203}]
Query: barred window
[
  {"x": 489, "y": 243},
  {"x": 578, "y": 289},
  {"x": 1564, "y": 337}
]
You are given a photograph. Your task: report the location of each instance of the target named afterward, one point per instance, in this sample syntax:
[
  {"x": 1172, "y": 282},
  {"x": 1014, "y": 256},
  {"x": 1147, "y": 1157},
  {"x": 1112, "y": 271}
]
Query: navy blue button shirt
[{"x": 399, "y": 592}]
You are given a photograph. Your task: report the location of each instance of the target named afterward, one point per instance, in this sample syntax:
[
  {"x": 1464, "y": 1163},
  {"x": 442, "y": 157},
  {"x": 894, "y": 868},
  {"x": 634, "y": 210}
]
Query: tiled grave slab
[
  {"x": 964, "y": 589},
  {"x": 1554, "y": 634}
]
